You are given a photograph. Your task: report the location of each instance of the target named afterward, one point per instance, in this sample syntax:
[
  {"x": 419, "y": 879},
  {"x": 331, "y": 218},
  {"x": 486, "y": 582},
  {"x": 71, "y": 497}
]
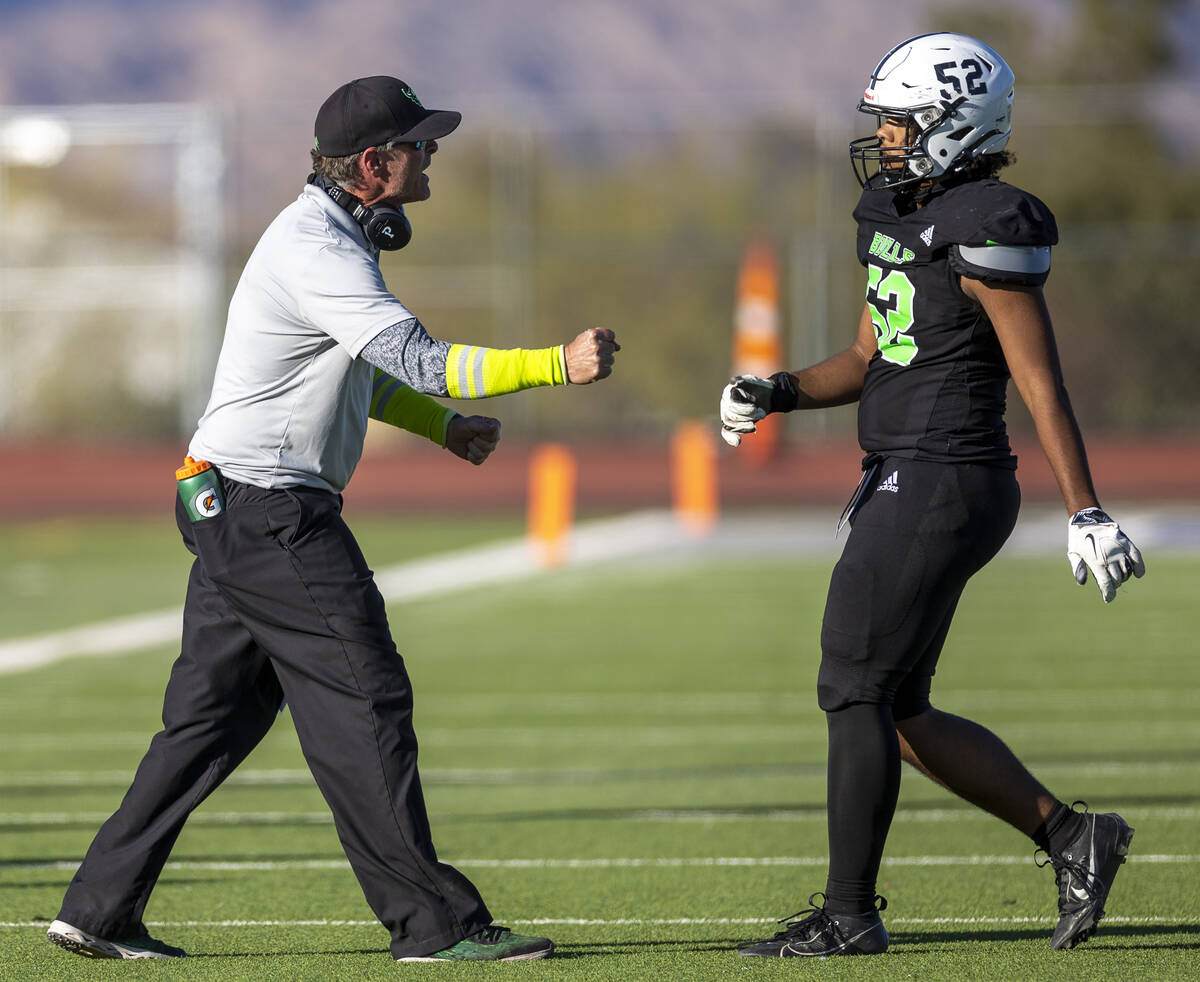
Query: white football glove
[
  {"x": 1096, "y": 542},
  {"x": 744, "y": 401}
]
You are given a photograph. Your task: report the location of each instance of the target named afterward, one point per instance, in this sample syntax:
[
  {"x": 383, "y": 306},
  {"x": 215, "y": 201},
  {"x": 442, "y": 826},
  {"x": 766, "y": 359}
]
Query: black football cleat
[
  {"x": 821, "y": 934},
  {"x": 1084, "y": 872}
]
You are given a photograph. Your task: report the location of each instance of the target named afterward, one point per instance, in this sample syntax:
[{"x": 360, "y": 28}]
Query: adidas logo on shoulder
[
  {"x": 927, "y": 236},
  {"x": 891, "y": 483}
]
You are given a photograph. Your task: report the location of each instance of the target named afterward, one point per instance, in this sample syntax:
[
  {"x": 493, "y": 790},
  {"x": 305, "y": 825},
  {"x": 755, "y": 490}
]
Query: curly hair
[{"x": 986, "y": 165}]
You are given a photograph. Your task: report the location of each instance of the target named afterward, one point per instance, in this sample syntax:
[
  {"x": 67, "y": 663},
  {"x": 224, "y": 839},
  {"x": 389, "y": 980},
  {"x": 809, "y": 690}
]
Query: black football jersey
[{"x": 936, "y": 388}]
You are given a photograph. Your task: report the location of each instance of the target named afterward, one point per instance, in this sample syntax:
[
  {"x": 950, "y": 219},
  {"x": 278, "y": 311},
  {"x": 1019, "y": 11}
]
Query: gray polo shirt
[{"x": 290, "y": 398}]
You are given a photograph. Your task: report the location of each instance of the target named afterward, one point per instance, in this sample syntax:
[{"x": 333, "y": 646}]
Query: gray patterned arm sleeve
[{"x": 407, "y": 352}]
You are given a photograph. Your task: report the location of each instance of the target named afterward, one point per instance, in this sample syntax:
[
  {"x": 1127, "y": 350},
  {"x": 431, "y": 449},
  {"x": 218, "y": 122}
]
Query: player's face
[{"x": 893, "y": 137}]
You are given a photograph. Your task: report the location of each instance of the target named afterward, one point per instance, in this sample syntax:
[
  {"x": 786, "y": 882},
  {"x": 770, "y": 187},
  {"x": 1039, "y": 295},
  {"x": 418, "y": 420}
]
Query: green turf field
[{"x": 628, "y": 759}]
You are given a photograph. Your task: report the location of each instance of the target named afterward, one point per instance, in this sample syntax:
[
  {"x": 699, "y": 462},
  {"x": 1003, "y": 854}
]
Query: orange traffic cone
[{"x": 757, "y": 346}]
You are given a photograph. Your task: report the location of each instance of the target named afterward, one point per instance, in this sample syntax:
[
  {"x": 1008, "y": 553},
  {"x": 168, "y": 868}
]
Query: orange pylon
[
  {"x": 694, "y": 477},
  {"x": 551, "y": 505},
  {"x": 757, "y": 346}
]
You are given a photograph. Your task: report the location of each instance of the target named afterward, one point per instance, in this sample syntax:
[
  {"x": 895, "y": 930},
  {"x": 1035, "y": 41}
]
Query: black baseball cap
[{"x": 369, "y": 112}]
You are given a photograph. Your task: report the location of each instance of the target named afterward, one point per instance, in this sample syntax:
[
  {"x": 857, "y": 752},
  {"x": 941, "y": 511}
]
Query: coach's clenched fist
[
  {"x": 590, "y": 356},
  {"x": 473, "y": 438}
]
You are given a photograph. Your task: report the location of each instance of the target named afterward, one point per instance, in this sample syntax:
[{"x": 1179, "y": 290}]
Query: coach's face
[{"x": 406, "y": 178}]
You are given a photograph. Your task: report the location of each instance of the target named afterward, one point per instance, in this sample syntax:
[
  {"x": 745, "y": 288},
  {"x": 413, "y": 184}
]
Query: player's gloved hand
[
  {"x": 1096, "y": 542},
  {"x": 744, "y": 401}
]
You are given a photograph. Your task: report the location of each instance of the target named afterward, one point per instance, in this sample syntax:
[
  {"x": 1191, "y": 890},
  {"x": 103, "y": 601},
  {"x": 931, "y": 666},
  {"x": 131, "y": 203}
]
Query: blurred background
[{"x": 615, "y": 162}]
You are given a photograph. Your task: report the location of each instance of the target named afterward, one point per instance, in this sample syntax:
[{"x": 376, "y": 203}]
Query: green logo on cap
[
  {"x": 316, "y": 144},
  {"x": 408, "y": 94}
]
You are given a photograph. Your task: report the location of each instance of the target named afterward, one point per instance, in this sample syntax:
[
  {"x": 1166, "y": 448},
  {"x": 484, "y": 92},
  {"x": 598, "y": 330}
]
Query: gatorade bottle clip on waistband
[{"x": 200, "y": 489}]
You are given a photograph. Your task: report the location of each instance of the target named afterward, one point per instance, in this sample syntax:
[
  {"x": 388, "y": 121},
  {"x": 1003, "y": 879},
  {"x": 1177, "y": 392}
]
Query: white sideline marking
[
  {"x": 1180, "y": 919},
  {"x": 111, "y": 637},
  {"x": 619, "y": 538},
  {"x": 645, "y": 533},
  {"x": 288, "y": 865}
]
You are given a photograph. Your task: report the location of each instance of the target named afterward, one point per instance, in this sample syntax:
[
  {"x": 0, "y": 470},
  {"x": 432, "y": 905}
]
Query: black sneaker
[
  {"x": 1084, "y": 872},
  {"x": 821, "y": 934},
  {"x": 492, "y": 944},
  {"x": 137, "y": 946}
]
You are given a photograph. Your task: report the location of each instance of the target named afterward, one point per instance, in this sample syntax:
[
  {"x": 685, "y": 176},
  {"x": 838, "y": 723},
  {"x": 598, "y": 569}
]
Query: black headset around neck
[{"x": 387, "y": 229}]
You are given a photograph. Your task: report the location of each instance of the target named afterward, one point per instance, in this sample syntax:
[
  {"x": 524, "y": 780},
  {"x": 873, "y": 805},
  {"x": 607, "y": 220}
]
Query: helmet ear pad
[{"x": 964, "y": 130}]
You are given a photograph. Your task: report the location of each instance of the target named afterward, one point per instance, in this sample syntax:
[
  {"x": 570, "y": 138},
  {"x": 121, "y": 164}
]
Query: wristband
[
  {"x": 786, "y": 395},
  {"x": 1091, "y": 516}
]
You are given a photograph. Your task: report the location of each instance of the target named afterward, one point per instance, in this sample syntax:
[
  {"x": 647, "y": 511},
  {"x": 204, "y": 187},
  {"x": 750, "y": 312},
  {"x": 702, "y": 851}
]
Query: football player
[{"x": 955, "y": 261}]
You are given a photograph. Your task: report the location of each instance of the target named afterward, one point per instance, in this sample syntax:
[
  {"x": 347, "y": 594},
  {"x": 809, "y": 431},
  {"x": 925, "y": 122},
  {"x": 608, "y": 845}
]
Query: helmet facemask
[{"x": 910, "y": 163}]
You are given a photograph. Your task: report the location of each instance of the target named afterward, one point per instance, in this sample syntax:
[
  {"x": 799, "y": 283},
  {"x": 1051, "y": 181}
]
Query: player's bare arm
[
  {"x": 833, "y": 382},
  {"x": 838, "y": 380},
  {"x": 1022, "y": 324}
]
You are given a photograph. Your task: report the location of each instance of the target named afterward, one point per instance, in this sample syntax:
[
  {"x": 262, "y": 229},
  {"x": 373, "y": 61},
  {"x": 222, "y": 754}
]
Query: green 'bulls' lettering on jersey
[
  {"x": 889, "y": 250},
  {"x": 892, "y": 322}
]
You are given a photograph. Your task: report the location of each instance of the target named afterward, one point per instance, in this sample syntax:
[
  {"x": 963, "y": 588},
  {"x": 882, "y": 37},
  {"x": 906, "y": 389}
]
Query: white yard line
[
  {"x": 931, "y": 815},
  {"x": 717, "y": 734},
  {"x": 582, "y": 775},
  {"x": 706, "y": 862},
  {"x": 1186, "y": 918},
  {"x": 934, "y": 816},
  {"x": 668, "y": 704}
]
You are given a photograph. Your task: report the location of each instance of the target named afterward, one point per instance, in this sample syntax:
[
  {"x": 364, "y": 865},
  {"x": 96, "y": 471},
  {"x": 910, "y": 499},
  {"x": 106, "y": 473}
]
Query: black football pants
[
  {"x": 921, "y": 532},
  {"x": 280, "y": 602}
]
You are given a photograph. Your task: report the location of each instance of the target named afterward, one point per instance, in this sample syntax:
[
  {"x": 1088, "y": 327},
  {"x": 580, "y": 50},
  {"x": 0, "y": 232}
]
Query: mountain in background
[{"x": 555, "y": 63}]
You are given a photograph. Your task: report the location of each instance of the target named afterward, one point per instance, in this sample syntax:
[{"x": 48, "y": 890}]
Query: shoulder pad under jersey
[{"x": 998, "y": 232}]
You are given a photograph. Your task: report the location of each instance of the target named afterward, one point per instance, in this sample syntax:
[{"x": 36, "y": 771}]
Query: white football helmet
[{"x": 955, "y": 94}]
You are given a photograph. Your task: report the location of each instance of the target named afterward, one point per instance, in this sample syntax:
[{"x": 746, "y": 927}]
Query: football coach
[{"x": 280, "y": 602}]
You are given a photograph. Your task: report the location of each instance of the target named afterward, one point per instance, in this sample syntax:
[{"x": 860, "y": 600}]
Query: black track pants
[{"x": 281, "y": 603}]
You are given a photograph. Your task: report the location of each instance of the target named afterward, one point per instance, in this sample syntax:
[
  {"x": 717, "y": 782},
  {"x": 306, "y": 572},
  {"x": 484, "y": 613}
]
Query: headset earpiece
[{"x": 386, "y": 229}]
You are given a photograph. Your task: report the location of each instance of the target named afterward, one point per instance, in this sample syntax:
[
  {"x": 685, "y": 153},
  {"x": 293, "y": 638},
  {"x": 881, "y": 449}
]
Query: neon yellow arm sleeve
[
  {"x": 476, "y": 373},
  {"x": 396, "y": 403}
]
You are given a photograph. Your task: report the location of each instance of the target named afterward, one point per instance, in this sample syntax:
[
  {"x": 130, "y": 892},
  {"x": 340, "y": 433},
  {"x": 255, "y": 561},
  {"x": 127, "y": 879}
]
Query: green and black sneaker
[
  {"x": 492, "y": 944},
  {"x": 80, "y": 942}
]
